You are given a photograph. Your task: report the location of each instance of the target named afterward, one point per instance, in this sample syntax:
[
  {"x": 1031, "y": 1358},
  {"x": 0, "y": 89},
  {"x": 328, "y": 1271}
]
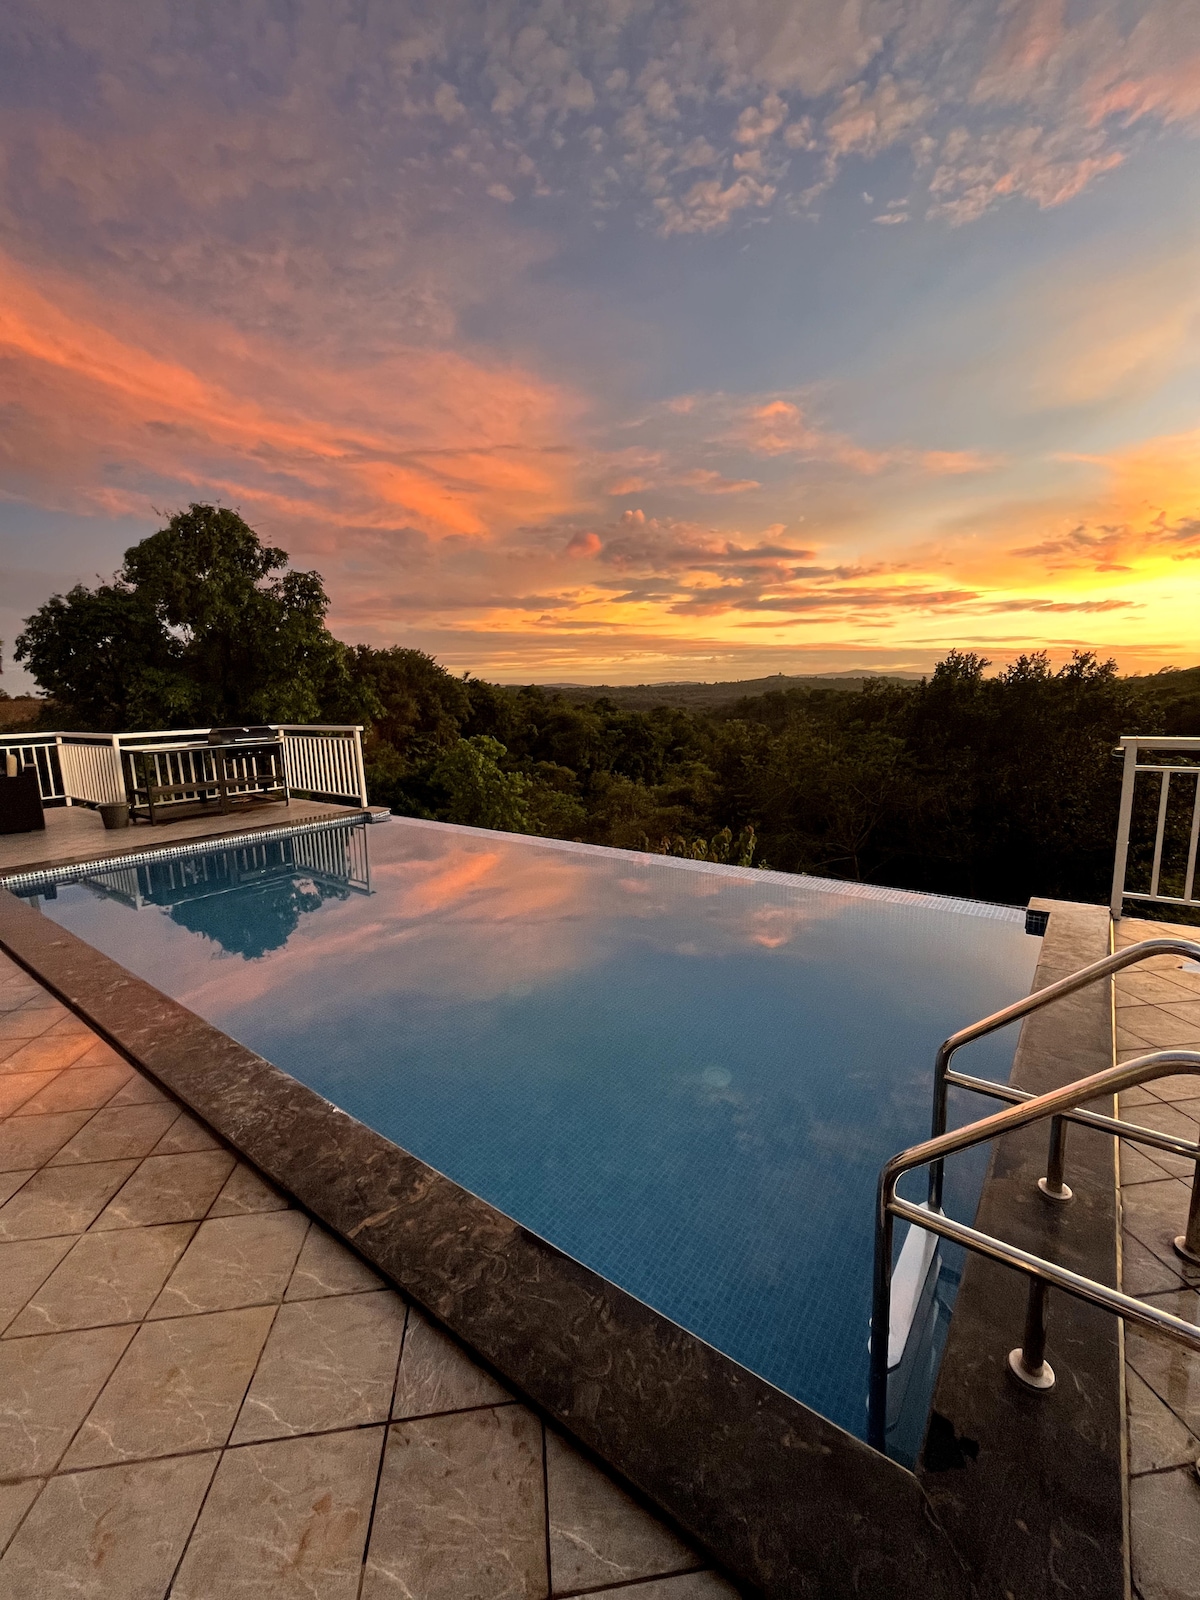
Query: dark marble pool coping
[
  {"x": 785, "y": 1501},
  {"x": 1031, "y": 1486}
]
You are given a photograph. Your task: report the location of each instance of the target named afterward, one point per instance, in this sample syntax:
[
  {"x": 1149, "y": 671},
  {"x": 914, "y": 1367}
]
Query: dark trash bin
[
  {"x": 21, "y": 803},
  {"x": 115, "y": 814}
]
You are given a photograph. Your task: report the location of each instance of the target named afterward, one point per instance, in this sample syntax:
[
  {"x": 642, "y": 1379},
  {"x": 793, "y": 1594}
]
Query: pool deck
[
  {"x": 1158, "y": 1008},
  {"x": 203, "y": 1392},
  {"x": 76, "y": 833}
]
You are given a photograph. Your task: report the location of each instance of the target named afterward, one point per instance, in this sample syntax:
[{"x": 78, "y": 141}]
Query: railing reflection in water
[{"x": 207, "y": 892}]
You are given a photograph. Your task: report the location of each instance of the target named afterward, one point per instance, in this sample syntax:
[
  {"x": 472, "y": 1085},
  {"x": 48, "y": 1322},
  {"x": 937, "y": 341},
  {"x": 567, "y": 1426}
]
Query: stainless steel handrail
[
  {"x": 944, "y": 1079},
  {"x": 1058, "y": 1102}
]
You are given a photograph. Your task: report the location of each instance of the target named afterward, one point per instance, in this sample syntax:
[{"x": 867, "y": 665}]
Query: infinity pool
[{"x": 685, "y": 1076}]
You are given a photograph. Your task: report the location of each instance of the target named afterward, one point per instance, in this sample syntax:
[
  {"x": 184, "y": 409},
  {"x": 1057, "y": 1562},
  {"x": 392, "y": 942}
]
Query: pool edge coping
[
  {"x": 1067, "y": 1500},
  {"x": 779, "y": 1496}
]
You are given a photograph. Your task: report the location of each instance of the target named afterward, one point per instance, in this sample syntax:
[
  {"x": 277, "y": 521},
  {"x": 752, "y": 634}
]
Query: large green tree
[{"x": 203, "y": 624}]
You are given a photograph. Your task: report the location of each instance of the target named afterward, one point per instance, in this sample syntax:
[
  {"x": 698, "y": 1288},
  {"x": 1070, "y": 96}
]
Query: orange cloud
[
  {"x": 782, "y": 428},
  {"x": 429, "y": 439}
]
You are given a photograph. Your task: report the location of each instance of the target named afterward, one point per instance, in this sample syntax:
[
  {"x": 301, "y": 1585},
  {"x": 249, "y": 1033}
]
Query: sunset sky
[{"x": 619, "y": 340}]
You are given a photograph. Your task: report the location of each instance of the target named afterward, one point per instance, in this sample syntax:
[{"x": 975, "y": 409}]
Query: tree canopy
[
  {"x": 993, "y": 787},
  {"x": 203, "y": 624}
]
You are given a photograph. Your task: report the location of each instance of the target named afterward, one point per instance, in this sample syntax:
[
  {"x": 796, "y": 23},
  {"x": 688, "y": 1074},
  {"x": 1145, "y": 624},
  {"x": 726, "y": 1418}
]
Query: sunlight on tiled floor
[
  {"x": 205, "y": 1395},
  {"x": 1158, "y": 1007}
]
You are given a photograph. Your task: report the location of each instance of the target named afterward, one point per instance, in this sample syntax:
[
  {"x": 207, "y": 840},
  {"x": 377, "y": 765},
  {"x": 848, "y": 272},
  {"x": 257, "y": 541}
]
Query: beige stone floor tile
[
  {"x": 139, "y": 1091},
  {"x": 117, "y": 1133},
  {"x": 24, "y": 1267},
  {"x": 10, "y": 1182},
  {"x": 32, "y": 1141},
  {"x": 167, "y": 1189},
  {"x": 17, "y": 990},
  {"x": 1140, "y": 985},
  {"x": 436, "y": 1375},
  {"x": 690, "y": 1586},
  {"x": 61, "y": 1199},
  {"x": 106, "y": 1277},
  {"x": 1139, "y": 1164},
  {"x": 1130, "y": 1012},
  {"x": 245, "y": 1193},
  {"x": 45, "y": 1054},
  {"x": 184, "y": 1135},
  {"x": 1160, "y": 1029},
  {"x": 101, "y": 1055},
  {"x": 17, "y": 1088},
  {"x": 110, "y": 1535},
  {"x": 598, "y": 1535},
  {"x": 1143, "y": 1273},
  {"x": 18, "y": 1026},
  {"x": 1157, "y": 1438},
  {"x": 1165, "y": 1534},
  {"x": 1171, "y": 1370},
  {"x": 15, "y": 1501},
  {"x": 1178, "y": 1090},
  {"x": 1175, "y": 1166},
  {"x": 47, "y": 1386},
  {"x": 234, "y": 1261},
  {"x": 1187, "y": 1010},
  {"x": 1155, "y": 1213},
  {"x": 38, "y": 997},
  {"x": 326, "y": 1266},
  {"x": 178, "y": 1388},
  {"x": 460, "y": 1513},
  {"x": 328, "y": 1363},
  {"x": 77, "y": 1088},
  {"x": 285, "y": 1521},
  {"x": 1129, "y": 1045},
  {"x": 1170, "y": 1119},
  {"x": 71, "y": 1027}
]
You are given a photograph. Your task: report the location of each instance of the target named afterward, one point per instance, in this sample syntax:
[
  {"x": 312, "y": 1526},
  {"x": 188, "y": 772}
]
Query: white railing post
[
  {"x": 1128, "y": 779},
  {"x": 58, "y": 745},
  {"x": 359, "y": 768}
]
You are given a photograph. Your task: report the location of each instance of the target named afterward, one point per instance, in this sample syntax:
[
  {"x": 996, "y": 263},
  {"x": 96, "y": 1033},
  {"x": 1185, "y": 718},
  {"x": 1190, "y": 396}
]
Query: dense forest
[{"x": 989, "y": 784}]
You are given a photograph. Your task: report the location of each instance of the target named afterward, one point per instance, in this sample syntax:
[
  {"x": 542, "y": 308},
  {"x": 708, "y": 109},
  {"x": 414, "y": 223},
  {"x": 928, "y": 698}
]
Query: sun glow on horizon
[{"x": 799, "y": 352}]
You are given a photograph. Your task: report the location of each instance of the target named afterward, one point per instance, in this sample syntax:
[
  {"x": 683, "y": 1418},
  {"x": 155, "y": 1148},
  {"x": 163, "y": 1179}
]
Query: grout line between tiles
[
  {"x": 366, "y": 1550},
  {"x": 632, "y": 1583},
  {"x": 212, "y": 1478},
  {"x": 546, "y": 1508}
]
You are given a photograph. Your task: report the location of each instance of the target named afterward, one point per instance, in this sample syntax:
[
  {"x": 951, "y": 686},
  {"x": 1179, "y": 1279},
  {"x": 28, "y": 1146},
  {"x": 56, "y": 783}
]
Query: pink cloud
[{"x": 584, "y": 544}]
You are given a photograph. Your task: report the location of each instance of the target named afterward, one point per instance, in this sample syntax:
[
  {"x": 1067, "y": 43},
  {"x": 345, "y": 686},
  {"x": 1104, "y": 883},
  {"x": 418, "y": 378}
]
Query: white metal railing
[
  {"x": 321, "y": 762},
  {"x": 1176, "y": 808},
  {"x": 39, "y": 751}
]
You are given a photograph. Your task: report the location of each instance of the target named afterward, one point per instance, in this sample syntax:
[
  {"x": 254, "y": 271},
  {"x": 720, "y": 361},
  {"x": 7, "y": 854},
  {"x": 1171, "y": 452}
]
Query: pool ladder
[{"x": 1061, "y": 1106}]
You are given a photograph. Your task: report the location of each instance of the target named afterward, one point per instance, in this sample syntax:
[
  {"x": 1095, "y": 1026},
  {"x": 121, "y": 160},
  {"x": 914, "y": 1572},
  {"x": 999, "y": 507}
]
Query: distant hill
[
  {"x": 21, "y": 711},
  {"x": 710, "y": 696},
  {"x": 1174, "y": 696}
]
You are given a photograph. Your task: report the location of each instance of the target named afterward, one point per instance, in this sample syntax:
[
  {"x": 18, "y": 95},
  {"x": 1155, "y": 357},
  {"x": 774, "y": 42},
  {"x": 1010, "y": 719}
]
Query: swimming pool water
[{"x": 685, "y": 1076}]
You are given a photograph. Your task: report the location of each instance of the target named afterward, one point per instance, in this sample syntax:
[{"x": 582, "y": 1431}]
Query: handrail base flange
[
  {"x": 1041, "y": 1381},
  {"x": 1060, "y": 1196}
]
